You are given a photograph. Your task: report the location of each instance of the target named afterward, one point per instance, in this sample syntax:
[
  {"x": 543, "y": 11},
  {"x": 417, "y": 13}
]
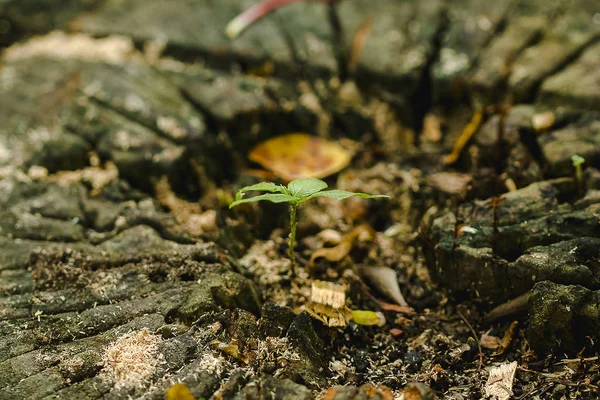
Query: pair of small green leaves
[{"x": 297, "y": 191}]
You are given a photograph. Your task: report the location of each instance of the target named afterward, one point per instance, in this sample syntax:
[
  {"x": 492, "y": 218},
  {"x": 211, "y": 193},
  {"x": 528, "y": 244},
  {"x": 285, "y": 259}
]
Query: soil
[{"x": 125, "y": 133}]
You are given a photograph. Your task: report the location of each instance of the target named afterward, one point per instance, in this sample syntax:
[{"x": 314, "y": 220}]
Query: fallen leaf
[
  {"x": 179, "y": 391},
  {"x": 337, "y": 253},
  {"x": 329, "y": 236},
  {"x": 368, "y": 318},
  {"x": 298, "y": 155},
  {"x": 385, "y": 280},
  {"x": 507, "y": 339},
  {"x": 489, "y": 341},
  {"x": 500, "y": 382}
]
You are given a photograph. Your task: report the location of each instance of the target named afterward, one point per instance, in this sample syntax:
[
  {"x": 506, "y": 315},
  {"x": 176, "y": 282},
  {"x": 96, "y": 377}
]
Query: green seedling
[
  {"x": 297, "y": 192},
  {"x": 577, "y": 161}
]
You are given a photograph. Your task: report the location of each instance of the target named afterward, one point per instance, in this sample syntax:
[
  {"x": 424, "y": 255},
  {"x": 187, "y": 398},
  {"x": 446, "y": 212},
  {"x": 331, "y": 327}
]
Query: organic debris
[
  {"x": 507, "y": 339},
  {"x": 96, "y": 175},
  {"x": 384, "y": 279},
  {"x": 337, "y": 253},
  {"x": 465, "y": 136},
  {"x": 298, "y": 155},
  {"x": 358, "y": 42},
  {"x": 543, "y": 121},
  {"x": 500, "y": 382},
  {"x": 328, "y": 304},
  {"x": 189, "y": 216}
]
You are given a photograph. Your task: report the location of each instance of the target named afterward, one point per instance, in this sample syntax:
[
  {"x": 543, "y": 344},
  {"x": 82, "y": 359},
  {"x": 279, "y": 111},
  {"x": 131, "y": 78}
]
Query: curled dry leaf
[
  {"x": 384, "y": 279},
  {"x": 489, "y": 341},
  {"x": 298, "y": 155},
  {"x": 329, "y": 236},
  {"x": 500, "y": 382},
  {"x": 337, "y": 253},
  {"x": 507, "y": 339}
]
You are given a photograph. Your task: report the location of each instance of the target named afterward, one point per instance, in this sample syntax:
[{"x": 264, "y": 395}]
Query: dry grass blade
[{"x": 465, "y": 136}]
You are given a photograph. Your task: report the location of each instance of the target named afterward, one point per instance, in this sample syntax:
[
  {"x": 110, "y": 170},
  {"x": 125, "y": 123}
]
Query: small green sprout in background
[
  {"x": 577, "y": 161},
  {"x": 297, "y": 192}
]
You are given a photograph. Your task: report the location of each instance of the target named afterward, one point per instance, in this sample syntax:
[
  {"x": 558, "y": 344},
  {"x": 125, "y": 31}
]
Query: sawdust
[{"x": 131, "y": 359}]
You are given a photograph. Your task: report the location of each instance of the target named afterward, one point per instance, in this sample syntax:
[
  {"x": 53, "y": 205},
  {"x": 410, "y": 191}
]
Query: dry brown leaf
[
  {"x": 337, "y": 253},
  {"x": 298, "y": 155},
  {"x": 385, "y": 280},
  {"x": 507, "y": 339},
  {"x": 329, "y": 237},
  {"x": 500, "y": 382},
  {"x": 489, "y": 341}
]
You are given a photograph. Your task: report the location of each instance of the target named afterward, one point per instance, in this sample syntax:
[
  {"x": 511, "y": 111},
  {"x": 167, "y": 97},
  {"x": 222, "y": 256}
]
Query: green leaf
[
  {"x": 344, "y": 194},
  {"x": 304, "y": 187},
  {"x": 273, "y": 197},
  {"x": 262, "y": 187}
]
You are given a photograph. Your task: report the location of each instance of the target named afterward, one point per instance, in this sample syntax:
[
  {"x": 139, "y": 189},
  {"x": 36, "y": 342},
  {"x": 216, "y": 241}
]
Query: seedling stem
[{"x": 297, "y": 191}]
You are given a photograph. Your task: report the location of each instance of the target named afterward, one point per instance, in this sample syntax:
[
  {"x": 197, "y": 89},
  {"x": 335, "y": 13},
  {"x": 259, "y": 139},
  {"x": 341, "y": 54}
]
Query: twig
[
  {"x": 509, "y": 309},
  {"x": 476, "y": 339}
]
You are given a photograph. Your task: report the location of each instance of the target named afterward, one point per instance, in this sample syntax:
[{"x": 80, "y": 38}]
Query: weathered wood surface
[{"x": 82, "y": 262}]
